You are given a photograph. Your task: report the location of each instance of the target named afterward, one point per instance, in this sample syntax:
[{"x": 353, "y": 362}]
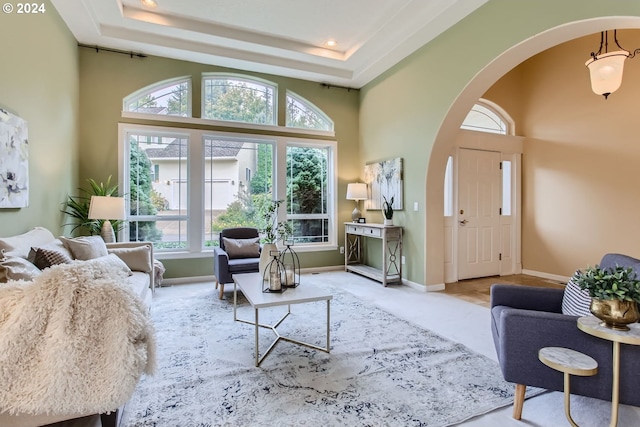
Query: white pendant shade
[{"x": 606, "y": 71}]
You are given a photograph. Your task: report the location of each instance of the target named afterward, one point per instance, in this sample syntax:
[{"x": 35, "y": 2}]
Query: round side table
[
  {"x": 594, "y": 326},
  {"x": 570, "y": 362}
]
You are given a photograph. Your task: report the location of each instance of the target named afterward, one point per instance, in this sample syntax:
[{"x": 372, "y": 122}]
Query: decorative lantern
[
  {"x": 291, "y": 262},
  {"x": 274, "y": 275}
]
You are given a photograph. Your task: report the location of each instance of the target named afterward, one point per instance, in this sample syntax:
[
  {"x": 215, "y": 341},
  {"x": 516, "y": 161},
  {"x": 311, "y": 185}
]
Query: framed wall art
[
  {"x": 384, "y": 178},
  {"x": 14, "y": 161}
]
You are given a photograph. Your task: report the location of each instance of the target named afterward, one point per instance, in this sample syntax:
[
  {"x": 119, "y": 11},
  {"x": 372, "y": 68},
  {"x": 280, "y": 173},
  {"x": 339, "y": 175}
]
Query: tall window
[
  {"x": 303, "y": 114},
  {"x": 187, "y": 184},
  {"x": 307, "y": 193},
  {"x": 238, "y": 99},
  {"x": 158, "y": 197},
  {"x": 238, "y": 183},
  {"x": 170, "y": 97}
]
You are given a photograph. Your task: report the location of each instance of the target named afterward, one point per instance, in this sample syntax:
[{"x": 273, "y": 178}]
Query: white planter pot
[
  {"x": 265, "y": 257},
  {"x": 388, "y": 221}
]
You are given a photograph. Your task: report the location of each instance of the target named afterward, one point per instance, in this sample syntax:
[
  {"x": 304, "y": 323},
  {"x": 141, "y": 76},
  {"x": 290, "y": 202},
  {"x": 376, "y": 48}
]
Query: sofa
[
  {"x": 29, "y": 257},
  {"x": 525, "y": 319}
]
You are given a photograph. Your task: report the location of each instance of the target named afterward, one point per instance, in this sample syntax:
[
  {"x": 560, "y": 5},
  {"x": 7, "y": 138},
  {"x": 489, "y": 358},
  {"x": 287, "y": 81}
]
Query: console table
[{"x": 391, "y": 239}]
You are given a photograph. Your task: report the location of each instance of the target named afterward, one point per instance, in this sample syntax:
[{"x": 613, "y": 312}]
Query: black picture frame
[{"x": 362, "y": 220}]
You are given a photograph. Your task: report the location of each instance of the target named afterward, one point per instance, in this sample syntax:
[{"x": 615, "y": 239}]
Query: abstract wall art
[
  {"x": 14, "y": 161},
  {"x": 384, "y": 178}
]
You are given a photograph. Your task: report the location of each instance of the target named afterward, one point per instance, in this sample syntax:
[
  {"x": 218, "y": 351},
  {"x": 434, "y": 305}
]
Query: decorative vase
[
  {"x": 388, "y": 221},
  {"x": 615, "y": 314},
  {"x": 265, "y": 256}
]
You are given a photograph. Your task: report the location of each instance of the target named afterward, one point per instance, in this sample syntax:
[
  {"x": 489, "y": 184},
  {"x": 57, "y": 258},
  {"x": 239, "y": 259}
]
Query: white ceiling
[{"x": 284, "y": 37}]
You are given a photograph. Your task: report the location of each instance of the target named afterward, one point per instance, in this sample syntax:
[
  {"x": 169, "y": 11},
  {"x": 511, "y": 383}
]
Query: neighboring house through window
[{"x": 187, "y": 183}]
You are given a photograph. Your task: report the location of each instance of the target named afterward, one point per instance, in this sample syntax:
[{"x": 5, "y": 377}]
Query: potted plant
[
  {"x": 615, "y": 294},
  {"x": 387, "y": 210},
  {"x": 272, "y": 231},
  {"x": 77, "y": 207}
]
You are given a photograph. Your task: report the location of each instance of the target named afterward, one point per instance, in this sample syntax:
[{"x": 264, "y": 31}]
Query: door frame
[{"x": 510, "y": 148}]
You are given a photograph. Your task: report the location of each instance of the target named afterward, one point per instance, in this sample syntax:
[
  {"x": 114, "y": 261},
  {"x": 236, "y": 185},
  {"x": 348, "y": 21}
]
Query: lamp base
[
  {"x": 107, "y": 232},
  {"x": 356, "y": 215}
]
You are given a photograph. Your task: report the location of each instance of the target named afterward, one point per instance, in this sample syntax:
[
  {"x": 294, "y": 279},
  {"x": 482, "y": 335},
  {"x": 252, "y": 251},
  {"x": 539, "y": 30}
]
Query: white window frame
[
  {"x": 147, "y": 90},
  {"x": 196, "y": 178},
  {"x": 310, "y": 105},
  {"x": 242, "y": 78}
]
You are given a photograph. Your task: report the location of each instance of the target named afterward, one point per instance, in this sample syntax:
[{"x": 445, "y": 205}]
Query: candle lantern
[
  {"x": 274, "y": 276},
  {"x": 291, "y": 262}
]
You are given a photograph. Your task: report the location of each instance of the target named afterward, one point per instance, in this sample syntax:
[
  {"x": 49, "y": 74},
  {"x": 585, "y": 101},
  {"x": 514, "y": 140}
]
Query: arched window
[
  {"x": 238, "y": 99},
  {"x": 169, "y": 97},
  {"x": 303, "y": 114},
  {"x": 485, "y": 116}
]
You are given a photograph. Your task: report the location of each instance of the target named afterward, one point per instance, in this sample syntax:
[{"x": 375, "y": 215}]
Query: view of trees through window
[
  {"x": 171, "y": 100},
  {"x": 236, "y": 175}
]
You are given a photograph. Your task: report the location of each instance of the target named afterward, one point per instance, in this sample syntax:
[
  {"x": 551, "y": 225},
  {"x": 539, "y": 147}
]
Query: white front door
[{"x": 479, "y": 201}]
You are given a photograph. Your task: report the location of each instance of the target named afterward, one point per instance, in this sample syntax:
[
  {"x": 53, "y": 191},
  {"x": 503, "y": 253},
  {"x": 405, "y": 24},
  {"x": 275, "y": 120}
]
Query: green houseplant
[
  {"x": 387, "y": 210},
  {"x": 615, "y": 294},
  {"x": 77, "y": 207}
]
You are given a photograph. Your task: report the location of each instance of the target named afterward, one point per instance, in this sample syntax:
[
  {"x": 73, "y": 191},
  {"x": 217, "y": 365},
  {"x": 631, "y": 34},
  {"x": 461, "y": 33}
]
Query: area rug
[{"x": 382, "y": 371}]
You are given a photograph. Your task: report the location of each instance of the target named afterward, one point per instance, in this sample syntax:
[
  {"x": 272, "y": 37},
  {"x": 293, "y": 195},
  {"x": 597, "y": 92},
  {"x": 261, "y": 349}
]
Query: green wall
[
  {"x": 39, "y": 82},
  {"x": 106, "y": 78},
  {"x": 414, "y": 109}
]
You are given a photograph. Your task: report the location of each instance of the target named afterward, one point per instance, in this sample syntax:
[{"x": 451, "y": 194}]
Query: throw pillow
[
  {"x": 575, "y": 301},
  {"x": 111, "y": 262},
  {"x": 86, "y": 247},
  {"x": 16, "y": 268},
  {"x": 242, "y": 248},
  {"x": 138, "y": 258},
  {"x": 19, "y": 245},
  {"x": 45, "y": 258},
  {"x": 55, "y": 245}
]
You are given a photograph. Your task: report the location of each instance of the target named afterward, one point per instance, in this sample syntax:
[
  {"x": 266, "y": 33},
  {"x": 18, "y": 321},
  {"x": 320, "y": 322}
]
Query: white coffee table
[{"x": 251, "y": 286}]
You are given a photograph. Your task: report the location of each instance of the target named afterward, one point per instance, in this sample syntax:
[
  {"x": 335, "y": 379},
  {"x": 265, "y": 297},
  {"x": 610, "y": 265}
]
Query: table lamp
[
  {"x": 107, "y": 208},
  {"x": 356, "y": 191}
]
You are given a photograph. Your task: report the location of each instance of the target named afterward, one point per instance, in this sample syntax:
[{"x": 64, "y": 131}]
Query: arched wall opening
[{"x": 434, "y": 241}]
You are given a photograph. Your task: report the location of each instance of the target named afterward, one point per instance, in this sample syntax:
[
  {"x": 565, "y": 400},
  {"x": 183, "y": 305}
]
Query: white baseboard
[
  {"x": 563, "y": 279},
  {"x": 185, "y": 280}
]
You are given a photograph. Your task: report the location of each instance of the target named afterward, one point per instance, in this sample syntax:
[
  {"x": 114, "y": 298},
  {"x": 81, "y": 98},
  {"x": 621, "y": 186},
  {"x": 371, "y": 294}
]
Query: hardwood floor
[{"x": 477, "y": 290}]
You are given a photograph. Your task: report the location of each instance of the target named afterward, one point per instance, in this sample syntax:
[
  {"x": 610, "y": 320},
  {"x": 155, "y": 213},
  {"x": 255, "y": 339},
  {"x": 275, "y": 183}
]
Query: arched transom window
[
  {"x": 303, "y": 114},
  {"x": 488, "y": 117},
  {"x": 168, "y": 97},
  {"x": 238, "y": 99}
]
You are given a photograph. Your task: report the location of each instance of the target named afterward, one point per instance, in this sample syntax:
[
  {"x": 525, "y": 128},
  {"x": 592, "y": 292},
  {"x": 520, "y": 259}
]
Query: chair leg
[
  {"x": 221, "y": 290},
  {"x": 518, "y": 401},
  {"x": 217, "y": 283}
]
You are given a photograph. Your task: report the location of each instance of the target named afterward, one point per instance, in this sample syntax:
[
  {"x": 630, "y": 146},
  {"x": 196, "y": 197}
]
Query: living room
[{"x": 580, "y": 150}]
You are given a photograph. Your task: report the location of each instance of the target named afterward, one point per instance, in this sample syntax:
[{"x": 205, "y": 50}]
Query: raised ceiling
[{"x": 284, "y": 37}]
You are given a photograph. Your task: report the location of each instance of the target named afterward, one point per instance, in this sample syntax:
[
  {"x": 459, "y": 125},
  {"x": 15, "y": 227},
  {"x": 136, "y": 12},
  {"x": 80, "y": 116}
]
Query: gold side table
[
  {"x": 593, "y": 326},
  {"x": 570, "y": 362}
]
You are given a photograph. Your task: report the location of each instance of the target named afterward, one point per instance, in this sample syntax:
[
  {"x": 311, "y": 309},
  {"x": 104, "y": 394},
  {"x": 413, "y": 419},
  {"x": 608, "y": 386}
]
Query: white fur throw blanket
[{"x": 75, "y": 340}]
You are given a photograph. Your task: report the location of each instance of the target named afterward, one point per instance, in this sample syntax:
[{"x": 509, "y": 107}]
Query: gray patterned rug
[{"x": 382, "y": 371}]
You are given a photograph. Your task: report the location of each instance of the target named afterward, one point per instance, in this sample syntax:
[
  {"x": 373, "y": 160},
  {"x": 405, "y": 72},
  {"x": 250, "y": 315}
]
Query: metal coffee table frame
[{"x": 251, "y": 286}]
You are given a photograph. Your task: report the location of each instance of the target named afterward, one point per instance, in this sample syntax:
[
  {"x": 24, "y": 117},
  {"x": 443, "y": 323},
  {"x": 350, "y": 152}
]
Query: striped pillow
[{"x": 575, "y": 301}]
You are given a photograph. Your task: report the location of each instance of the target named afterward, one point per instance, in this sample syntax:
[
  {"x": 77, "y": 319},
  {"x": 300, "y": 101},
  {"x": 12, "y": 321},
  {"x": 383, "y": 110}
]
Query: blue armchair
[
  {"x": 243, "y": 257},
  {"x": 525, "y": 319}
]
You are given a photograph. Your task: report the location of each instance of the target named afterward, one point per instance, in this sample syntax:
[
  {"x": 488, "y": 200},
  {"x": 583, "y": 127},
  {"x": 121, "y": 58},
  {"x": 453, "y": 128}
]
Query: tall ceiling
[{"x": 284, "y": 37}]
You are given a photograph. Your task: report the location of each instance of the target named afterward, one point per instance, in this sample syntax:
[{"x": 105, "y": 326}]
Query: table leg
[
  {"x": 567, "y": 400},
  {"x": 235, "y": 300},
  {"x": 615, "y": 388},
  {"x": 328, "y": 325},
  {"x": 257, "y": 350}
]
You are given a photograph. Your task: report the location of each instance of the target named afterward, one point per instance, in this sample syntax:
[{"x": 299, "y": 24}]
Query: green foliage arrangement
[
  {"x": 77, "y": 207},
  {"x": 274, "y": 230},
  {"x": 387, "y": 208},
  {"x": 617, "y": 283}
]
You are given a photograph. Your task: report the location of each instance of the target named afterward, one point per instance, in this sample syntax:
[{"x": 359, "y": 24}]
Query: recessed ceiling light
[
  {"x": 331, "y": 43},
  {"x": 149, "y": 3}
]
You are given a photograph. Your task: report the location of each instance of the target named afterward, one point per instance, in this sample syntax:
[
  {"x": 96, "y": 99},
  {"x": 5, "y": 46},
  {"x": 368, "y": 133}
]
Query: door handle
[{"x": 463, "y": 222}]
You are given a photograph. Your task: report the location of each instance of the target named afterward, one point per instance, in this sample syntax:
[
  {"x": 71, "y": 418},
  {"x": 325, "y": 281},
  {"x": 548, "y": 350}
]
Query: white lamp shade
[
  {"x": 606, "y": 71},
  {"x": 106, "y": 207},
  {"x": 357, "y": 191}
]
